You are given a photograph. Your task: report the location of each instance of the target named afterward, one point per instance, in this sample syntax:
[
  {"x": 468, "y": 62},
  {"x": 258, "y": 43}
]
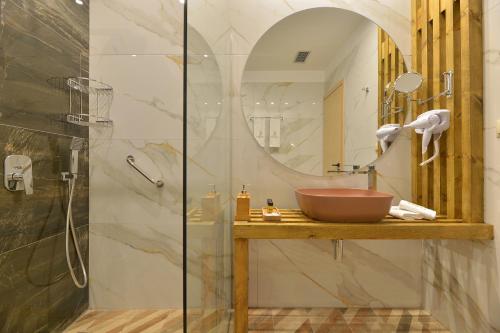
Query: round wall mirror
[{"x": 313, "y": 90}]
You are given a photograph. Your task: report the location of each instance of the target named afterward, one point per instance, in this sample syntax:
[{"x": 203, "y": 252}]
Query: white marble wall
[
  {"x": 303, "y": 273},
  {"x": 461, "y": 279},
  {"x": 136, "y": 228}
]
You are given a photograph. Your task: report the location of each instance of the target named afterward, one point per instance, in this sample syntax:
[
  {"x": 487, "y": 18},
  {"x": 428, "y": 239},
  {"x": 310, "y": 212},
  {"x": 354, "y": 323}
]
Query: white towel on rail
[
  {"x": 275, "y": 132},
  {"x": 259, "y": 130}
]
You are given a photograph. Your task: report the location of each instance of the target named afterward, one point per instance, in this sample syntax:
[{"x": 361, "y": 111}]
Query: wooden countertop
[{"x": 295, "y": 225}]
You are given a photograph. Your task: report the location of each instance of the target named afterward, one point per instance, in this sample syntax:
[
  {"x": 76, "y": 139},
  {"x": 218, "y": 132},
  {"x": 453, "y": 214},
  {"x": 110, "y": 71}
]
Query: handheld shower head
[{"x": 76, "y": 145}]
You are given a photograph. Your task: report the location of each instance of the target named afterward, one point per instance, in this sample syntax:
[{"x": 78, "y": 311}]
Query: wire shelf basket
[{"x": 89, "y": 102}]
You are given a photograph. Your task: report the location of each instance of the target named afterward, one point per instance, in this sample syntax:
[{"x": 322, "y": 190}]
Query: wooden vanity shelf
[{"x": 295, "y": 225}]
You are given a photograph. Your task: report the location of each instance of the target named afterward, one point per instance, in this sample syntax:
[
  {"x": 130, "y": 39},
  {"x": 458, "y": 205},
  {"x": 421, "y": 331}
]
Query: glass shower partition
[{"x": 207, "y": 186}]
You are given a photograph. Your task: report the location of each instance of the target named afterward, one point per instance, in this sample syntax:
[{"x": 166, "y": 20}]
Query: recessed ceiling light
[
  {"x": 205, "y": 56},
  {"x": 134, "y": 55},
  {"x": 182, "y": 1},
  {"x": 272, "y": 103},
  {"x": 79, "y": 2},
  {"x": 258, "y": 103}
]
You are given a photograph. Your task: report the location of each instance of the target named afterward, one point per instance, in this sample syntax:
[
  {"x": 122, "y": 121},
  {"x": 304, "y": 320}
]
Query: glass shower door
[{"x": 207, "y": 166}]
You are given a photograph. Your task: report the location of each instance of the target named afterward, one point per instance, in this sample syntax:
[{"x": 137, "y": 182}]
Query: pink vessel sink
[{"x": 343, "y": 204}]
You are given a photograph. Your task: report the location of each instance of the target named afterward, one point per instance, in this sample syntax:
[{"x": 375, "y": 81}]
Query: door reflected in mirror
[{"x": 313, "y": 90}]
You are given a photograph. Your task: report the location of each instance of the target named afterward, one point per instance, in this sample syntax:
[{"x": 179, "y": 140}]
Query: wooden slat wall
[
  {"x": 390, "y": 65},
  {"x": 447, "y": 35}
]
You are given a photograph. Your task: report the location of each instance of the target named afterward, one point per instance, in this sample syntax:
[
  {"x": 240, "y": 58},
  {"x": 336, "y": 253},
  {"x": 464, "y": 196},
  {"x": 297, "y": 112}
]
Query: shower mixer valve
[{"x": 18, "y": 174}]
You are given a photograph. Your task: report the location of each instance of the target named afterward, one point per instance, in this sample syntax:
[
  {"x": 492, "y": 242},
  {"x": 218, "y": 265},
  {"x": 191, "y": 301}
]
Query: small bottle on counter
[
  {"x": 271, "y": 213},
  {"x": 243, "y": 206}
]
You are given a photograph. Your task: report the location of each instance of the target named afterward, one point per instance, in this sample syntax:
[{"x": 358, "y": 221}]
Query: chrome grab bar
[{"x": 131, "y": 162}]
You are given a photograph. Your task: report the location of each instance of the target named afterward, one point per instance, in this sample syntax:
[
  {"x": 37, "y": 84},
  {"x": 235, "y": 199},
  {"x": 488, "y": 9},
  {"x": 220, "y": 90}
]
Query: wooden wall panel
[
  {"x": 390, "y": 65},
  {"x": 447, "y": 35}
]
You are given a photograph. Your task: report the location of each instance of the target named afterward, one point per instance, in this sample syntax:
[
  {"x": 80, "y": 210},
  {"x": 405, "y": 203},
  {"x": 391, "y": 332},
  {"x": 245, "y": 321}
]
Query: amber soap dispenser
[{"x": 243, "y": 205}]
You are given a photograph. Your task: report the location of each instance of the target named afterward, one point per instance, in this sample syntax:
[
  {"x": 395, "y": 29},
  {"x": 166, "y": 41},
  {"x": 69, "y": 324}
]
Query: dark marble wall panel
[
  {"x": 26, "y": 219},
  {"x": 42, "y": 42},
  {"x": 40, "y": 294}
]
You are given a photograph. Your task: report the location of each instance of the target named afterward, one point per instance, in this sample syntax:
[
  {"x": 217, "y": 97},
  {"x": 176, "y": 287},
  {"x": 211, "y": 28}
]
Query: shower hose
[{"x": 71, "y": 227}]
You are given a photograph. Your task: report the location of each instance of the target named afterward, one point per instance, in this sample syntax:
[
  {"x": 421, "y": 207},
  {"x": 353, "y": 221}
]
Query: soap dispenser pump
[{"x": 243, "y": 205}]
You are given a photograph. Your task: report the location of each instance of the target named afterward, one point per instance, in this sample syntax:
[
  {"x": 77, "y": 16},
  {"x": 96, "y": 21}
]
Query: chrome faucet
[
  {"x": 356, "y": 169},
  {"x": 372, "y": 178}
]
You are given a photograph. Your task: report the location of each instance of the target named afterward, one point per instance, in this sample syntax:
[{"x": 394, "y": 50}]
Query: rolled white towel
[
  {"x": 426, "y": 213},
  {"x": 396, "y": 211}
]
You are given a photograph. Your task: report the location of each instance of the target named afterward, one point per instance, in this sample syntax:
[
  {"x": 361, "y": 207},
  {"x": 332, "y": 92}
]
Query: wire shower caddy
[{"x": 89, "y": 102}]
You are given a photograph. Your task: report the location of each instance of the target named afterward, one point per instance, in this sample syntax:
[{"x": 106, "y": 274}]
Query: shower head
[{"x": 77, "y": 143}]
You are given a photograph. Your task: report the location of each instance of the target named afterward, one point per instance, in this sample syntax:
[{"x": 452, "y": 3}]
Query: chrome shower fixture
[
  {"x": 76, "y": 145},
  {"x": 447, "y": 78}
]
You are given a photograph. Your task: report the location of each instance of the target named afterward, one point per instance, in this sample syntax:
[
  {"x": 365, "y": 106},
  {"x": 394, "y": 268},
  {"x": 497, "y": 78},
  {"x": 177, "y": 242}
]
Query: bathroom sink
[{"x": 343, "y": 204}]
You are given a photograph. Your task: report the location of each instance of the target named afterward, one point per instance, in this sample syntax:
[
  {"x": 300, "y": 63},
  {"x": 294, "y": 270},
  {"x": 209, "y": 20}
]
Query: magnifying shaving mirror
[{"x": 408, "y": 83}]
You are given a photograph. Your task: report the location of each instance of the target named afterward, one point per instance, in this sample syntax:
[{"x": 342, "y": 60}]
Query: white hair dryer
[
  {"x": 387, "y": 134},
  {"x": 429, "y": 124}
]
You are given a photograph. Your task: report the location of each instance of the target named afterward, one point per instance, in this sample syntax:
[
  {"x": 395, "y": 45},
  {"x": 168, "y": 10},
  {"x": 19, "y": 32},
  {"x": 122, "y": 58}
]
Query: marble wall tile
[
  {"x": 42, "y": 43},
  {"x": 136, "y": 47},
  {"x": 137, "y": 224},
  {"x": 461, "y": 286},
  {"x": 147, "y": 101},
  {"x": 35, "y": 281},
  {"x": 304, "y": 273},
  {"x": 142, "y": 266},
  {"x": 152, "y": 27},
  {"x": 121, "y": 195},
  {"x": 26, "y": 219}
]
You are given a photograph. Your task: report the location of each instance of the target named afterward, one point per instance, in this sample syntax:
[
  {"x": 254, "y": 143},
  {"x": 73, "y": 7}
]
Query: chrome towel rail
[{"x": 131, "y": 162}]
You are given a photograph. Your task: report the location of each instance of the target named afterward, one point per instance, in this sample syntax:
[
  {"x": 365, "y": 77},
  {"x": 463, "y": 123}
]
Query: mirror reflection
[{"x": 315, "y": 91}]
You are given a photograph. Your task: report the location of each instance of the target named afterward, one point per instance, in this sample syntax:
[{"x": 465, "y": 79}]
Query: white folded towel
[
  {"x": 426, "y": 213},
  {"x": 396, "y": 211},
  {"x": 259, "y": 130},
  {"x": 274, "y": 132}
]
